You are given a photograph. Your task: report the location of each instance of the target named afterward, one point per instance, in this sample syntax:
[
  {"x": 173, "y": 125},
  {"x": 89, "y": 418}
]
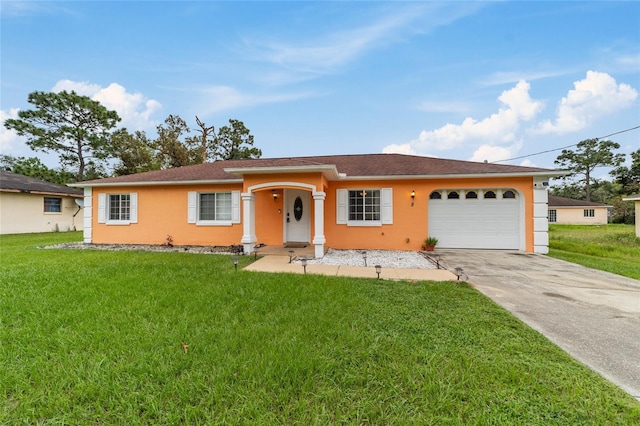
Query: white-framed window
[
  {"x": 118, "y": 208},
  {"x": 589, "y": 213},
  {"x": 52, "y": 205},
  {"x": 553, "y": 216},
  {"x": 364, "y": 207},
  {"x": 214, "y": 208}
]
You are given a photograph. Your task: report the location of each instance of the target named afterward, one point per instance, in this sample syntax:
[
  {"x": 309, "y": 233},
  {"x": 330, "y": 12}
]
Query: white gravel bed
[
  {"x": 384, "y": 258},
  {"x": 147, "y": 247}
]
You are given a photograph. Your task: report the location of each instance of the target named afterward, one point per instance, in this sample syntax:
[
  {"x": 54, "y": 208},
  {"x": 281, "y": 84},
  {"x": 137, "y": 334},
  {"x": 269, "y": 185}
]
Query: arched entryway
[{"x": 302, "y": 205}]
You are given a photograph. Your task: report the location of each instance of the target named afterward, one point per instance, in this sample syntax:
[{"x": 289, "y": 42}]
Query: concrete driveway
[{"x": 592, "y": 315}]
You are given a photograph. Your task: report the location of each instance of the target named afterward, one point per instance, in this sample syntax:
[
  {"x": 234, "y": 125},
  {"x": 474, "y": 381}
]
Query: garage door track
[{"x": 592, "y": 315}]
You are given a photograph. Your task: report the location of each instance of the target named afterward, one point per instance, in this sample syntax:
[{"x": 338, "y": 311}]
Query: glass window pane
[{"x": 52, "y": 205}]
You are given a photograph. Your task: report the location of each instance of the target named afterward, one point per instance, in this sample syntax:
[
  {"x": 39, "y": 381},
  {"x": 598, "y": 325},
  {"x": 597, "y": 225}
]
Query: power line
[{"x": 564, "y": 147}]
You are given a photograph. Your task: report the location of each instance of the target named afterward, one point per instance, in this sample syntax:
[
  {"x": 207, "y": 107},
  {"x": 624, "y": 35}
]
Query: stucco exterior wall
[
  {"x": 410, "y": 223},
  {"x": 575, "y": 215},
  {"x": 22, "y": 213},
  {"x": 163, "y": 210}
]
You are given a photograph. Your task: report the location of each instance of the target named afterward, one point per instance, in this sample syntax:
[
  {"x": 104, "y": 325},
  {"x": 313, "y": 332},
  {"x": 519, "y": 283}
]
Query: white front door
[{"x": 297, "y": 216}]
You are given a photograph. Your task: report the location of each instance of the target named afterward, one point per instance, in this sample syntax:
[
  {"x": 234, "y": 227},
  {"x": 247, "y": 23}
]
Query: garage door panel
[{"x": 477, "y": 223}]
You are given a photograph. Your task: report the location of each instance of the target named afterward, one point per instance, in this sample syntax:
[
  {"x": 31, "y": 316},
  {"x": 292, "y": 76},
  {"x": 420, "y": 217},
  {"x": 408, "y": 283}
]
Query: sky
[{"x": 480, "y": 81}]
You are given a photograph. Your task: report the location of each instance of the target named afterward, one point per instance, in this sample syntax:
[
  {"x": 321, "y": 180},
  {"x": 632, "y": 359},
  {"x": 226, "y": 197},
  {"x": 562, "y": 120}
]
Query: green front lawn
[
  {"x": 613, "y": 248},
  {"x": 95, "y": 337}
]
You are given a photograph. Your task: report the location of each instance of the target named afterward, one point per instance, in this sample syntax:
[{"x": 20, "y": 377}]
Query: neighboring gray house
[{"x": 33, "y": 205}]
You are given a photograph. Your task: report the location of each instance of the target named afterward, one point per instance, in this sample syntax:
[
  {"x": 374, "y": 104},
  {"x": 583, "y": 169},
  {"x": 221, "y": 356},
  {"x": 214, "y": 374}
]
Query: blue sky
[{"x": 463, "y": 80}]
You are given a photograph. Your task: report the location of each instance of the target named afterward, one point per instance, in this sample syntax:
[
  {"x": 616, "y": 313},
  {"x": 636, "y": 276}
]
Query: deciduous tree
[
  {"x": 134, "y": 152},
  {"x": 234, "y": 142},
  {"x": 629, "y": 177},
  {"x": 35, "y": 168},
  {"x": 171, "y": 151}
]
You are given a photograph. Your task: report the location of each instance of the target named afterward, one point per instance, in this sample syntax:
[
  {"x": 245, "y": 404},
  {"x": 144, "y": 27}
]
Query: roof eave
[
  {"x": 155, "y": 183},
  {"x": 28, "y": 191},
  {"x": 455, "y": 176}
]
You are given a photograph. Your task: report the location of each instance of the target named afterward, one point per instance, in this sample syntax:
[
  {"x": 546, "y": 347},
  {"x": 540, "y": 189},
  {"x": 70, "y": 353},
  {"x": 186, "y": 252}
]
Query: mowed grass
[
  {"x": 612, "y": 248},
  {"x": 95, "y": 337}
]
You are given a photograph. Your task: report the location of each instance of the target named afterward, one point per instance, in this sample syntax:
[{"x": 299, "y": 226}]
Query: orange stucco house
[{"x": 371, "y": 201}]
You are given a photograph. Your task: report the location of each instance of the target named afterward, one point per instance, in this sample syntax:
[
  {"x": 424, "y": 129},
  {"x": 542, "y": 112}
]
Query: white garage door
[{"x": 479, "y": 218}]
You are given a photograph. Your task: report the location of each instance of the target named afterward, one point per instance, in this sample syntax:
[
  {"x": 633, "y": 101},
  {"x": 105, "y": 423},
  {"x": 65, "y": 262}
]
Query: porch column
[
  {"x": 88, "y": 215},
  {"x": 248, "y": 222},
  {"x": 318, "y": 237},
  {"x": 540, "y": 217}
]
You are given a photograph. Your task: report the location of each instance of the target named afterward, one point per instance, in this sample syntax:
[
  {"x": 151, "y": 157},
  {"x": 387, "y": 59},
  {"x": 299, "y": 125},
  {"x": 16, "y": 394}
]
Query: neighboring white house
[
  {"x": 576, "y": 212},
  {"x": 636, "y": 199},
  {"x": 33, "y": 205}
]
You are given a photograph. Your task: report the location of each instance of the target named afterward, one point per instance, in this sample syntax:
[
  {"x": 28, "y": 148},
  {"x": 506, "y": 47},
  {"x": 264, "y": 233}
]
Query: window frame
[
  {"x": 553, "y": 216},
  {"x": 104, "y": 208},
  {"x": 344, "y": 210},
  {"x": 59, "y": 205},
  {"x": 589, "y": 213},
  {"x": 366, "y": 212},
  {"x": 194, "y": 210},
  {"x": 120, "y": 212}
]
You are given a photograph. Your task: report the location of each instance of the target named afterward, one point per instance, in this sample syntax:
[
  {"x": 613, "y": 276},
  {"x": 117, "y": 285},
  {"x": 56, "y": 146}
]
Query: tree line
[
  {"x": 84, "y": 135},
  {"x": 580, "y": 183}
]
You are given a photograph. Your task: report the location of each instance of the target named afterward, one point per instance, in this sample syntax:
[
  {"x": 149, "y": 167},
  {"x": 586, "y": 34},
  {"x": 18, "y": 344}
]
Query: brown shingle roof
[
  {"x": 555, "y": 201},
  {"x": 13, "y": 182},
  {"x": 360, "y": 165}
]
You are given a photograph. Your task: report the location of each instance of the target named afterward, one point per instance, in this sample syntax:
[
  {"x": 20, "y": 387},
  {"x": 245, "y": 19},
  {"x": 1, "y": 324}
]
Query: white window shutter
[
  {"x": 102, "y": 208},
  {"x": 235, "y": 206},
  {"x": 192, "y": 206},
  {"x": 342, "y": 200},
  {"x": 133, "y": 212},
  {"x": 386, "y": 206}
]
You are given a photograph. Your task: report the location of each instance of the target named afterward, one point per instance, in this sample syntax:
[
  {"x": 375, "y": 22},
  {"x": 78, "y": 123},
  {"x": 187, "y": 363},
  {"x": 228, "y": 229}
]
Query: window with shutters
[
  {"x": 214, "y": 208},
  {"x": 118, "y": 209},
  {"x": 365, "y": 207}
]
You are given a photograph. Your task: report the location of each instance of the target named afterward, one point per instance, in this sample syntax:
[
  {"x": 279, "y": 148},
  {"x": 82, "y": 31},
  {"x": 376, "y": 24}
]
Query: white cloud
[
  {"x": 329, "y": 51},
  {"x": 498, "y": 129},
  {"x": 491, "y": 153},
  {"x": 504, "y": 77},
  {"x": 597, "y": 96},
  {"x": 134, "y": 108},
  {"x": 404, "y": 148},
  {"x": 222, "y": 98},
  {"x": 9, "y": 139}
]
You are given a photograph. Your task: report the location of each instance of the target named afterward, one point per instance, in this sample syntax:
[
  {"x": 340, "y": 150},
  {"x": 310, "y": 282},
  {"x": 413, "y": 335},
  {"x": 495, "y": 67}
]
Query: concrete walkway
[
  {"x": 592, "y": 315},
  {"x": 274, "y": 263}
]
